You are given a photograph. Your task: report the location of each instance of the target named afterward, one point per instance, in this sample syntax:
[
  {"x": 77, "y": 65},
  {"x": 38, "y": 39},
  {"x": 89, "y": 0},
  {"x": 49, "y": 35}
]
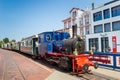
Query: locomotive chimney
[{"x": 74, "y": 31}]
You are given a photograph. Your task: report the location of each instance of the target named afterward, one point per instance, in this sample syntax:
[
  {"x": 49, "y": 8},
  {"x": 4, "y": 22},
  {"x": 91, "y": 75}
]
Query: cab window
[
  {"x": 41, "y": 38},
  {"x": 48, "y": 37}
]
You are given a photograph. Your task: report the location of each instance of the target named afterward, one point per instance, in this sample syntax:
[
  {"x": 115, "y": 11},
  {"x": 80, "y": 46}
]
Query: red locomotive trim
[{"x": 78, "y": 61}]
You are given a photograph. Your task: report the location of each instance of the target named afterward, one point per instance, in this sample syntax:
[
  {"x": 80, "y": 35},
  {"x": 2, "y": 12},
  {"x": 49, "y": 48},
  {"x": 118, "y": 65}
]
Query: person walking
[{"x": 109, "y": 49}]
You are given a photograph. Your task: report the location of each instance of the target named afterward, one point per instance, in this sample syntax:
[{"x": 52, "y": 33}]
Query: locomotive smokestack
[{"x": 74, "y": 31}]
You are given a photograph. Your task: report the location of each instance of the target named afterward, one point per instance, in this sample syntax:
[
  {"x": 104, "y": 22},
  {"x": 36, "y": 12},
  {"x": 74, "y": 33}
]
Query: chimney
[
  {"x": 74, "y": 30},
  {"x": 93, "y": 6}
]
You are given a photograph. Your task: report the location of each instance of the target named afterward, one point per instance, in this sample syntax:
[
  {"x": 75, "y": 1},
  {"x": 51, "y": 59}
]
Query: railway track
[{"x": 11, "y": 69}]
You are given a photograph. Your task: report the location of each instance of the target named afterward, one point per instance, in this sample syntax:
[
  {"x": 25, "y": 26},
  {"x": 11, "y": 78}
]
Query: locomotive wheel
[
  {"x": 34, "y": 57},
  {"x": 85, "y": 68},
  {"x": 64, "y": 63},
  {"x": 96, "y": 65}
]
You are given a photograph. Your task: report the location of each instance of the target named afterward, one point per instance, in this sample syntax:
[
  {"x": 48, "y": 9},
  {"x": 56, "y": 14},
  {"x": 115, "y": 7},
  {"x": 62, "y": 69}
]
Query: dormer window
[{"x": 74, "y": 14}]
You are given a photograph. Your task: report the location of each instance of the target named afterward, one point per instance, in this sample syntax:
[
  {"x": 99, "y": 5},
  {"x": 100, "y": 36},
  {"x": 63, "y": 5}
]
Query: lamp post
[{"x": 103, "y": 36}]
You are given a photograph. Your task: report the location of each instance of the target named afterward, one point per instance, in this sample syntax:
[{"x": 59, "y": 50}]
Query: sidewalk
[
  {"x": 58, "y": 75},
  {"x": 107, "y": 72}
]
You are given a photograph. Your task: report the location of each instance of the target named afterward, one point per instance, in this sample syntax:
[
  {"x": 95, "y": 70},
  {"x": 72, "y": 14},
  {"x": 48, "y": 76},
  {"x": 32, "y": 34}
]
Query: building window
[
  {"x": 98, "y": 29},
  {"x": 81, "y": 21},
  {"x": 81, "y": 31},
  {"x": 86, "y": 20},
  {"x": 97, "y": 16},
  {"x": 104, "y": 44},
  {"x": 69, "y": 24},
  {"x": 106, "y": 13},
  {"x": 93, "y": 44},
  {"x": 74, "y": 14},
  {"x": 116, "y": 26},
  {"x": 116, "y": 11},
  {"x": 74, "y": 22},
  {"x": 87, "y": 30},
  {"x": 107, "y": 27},
  {"x": 65, "y": 24}
]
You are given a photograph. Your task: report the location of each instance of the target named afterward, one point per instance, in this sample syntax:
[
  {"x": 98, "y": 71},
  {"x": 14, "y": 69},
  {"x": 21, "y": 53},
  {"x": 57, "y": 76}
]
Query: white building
[
  {"x": 85, "y": 23},
  {"x": 105, "y": 27},
  {"x": 79, "y": 18},
  {"x": 73, "y": 20}
]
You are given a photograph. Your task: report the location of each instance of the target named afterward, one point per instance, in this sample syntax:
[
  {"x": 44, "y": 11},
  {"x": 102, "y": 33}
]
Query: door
[
  {"x": 104, "y": 44},
  {"x": 35, "y": 46}
]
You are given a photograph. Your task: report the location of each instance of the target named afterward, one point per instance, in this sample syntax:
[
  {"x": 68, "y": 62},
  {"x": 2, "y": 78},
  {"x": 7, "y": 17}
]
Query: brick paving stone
[
  {"x": 9, "y": 70},
  {"x": 31, "y": 70},
  {"x": 1, "y": 67}
]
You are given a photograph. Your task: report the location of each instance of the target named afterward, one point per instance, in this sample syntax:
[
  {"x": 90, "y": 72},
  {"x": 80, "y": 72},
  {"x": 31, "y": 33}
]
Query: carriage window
[
  {"x": 22, "y": 43},
  {"x": 26, "y": 43},
  {"x": 39, "y": 39},
  {"x": 29, "y": 42},
  {"x": 48, "y": 37}
]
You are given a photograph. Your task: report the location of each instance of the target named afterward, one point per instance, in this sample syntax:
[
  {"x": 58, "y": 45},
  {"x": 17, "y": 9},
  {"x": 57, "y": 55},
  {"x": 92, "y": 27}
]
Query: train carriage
[
  {"x": 29, "y": 45},
  {"x": 7, "y": 46},
  {"x": 15, "y": 46}
]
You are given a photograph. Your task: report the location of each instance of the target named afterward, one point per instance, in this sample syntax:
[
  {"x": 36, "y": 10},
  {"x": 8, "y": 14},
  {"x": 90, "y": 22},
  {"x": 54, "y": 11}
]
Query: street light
[{"x": 103, "y": 35}]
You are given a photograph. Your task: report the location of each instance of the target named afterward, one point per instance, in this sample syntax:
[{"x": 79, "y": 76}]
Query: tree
[
  {"x": 13, "y": 40},
  {"x": 6, "y": 40},
  {"x": 1, "y": 42}
]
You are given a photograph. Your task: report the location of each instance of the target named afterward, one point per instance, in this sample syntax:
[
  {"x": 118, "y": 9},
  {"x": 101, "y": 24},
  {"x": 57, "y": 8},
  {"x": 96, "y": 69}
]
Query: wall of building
[
  {"x": 109, "y": 35},
  {"x": 102, "y": 22}
]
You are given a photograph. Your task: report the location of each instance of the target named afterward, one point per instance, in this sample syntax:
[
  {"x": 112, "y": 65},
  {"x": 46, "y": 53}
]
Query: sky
[{"x": 24, "y": 18}]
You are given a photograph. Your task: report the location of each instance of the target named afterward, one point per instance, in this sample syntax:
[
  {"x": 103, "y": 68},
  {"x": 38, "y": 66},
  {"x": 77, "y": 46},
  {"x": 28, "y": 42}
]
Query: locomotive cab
[{"x": 51, "y": 42}]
